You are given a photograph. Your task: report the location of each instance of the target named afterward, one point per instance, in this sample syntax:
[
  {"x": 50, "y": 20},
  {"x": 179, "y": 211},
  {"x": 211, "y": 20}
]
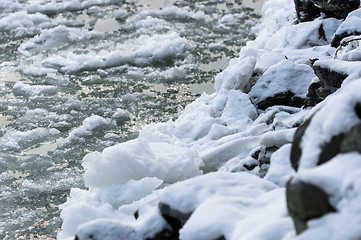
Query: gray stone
[
  {"x": 331, "y": 79},
  {"x": 306, "y": 10},
  {"x": 337, "y": 8},
  {"x": 352, "y": 140},
  {"x": 173, "y": 217},
  {"x": 284, "y": 98},
  {"x": 304, "y": 202},
  {"x": 296, "y": 150}
]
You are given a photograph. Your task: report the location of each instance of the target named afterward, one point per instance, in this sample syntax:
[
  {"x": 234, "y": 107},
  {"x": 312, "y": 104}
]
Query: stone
[
  {"x": 312, "y": 98},
  {"x": 331, "y": 79},
  {"x": 173, "y": 217},
  {"x": 331, "y": 148},
  {"x": 166, "y": 234},
  {"x": 305, "y": 202},
  {"x": 296, "y": 150},
  {"x": 284, "y": 98},
  {"x": 352, "y": 140},
  {"x": 306, "y": 10},
  {"x": 336, "y": 40},
  {"x": 337, "y": 8}
]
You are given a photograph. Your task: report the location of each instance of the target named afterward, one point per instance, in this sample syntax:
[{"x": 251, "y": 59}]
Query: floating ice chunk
[
  {"x": 167, "y": 13},
  {"x": 14, "y": 140},
  {"x": 141, "y": 52},
  {"x": 137, "y": 159},
  {"x": 20, "y": 21},
  {"x": 89, "y": 125},
  {"x": 54, "y": 6},
  {"x": 53, "y": 39},
  {"x": 121, "y": 14},
  {"x": 27, "y": 90}
]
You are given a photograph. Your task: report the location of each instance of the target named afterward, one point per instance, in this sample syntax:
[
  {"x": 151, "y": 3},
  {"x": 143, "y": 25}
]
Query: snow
[{"x": 280, "y": 78}]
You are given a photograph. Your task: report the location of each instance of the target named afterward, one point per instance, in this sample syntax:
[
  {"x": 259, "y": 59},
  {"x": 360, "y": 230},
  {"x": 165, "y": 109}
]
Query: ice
[
  {"x": 27, "y": 90},
  {"x": 53, "y": 6},
  {"x": 14, "y": 140},
  {"x": 137, "y": 159},
  {"x": 88, "y": 127},
  {"x": 158, "y": 48}
]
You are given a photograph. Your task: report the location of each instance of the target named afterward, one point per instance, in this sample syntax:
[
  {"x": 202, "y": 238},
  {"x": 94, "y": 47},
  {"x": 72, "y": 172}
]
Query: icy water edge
[{"x": 77, "y": 80}]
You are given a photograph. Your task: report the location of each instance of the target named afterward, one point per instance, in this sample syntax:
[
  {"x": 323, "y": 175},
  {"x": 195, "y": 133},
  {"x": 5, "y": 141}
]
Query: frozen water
[{"x": 79, "y": 76}]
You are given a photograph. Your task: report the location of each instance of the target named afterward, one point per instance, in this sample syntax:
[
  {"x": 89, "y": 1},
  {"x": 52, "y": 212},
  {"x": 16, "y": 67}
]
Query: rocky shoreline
[{"x": 279, "y": 143}]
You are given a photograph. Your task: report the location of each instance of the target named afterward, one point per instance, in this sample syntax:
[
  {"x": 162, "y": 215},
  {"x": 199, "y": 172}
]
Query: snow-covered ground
[{"x": 223, "y": 164}]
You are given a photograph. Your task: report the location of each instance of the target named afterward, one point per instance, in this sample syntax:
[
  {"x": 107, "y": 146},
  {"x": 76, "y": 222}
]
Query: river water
[{"x": 79, "y": 76}]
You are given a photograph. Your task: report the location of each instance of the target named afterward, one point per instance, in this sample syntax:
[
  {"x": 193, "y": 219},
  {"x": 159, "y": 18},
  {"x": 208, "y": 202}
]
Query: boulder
[
  {"x": 337, "y": 8},
  {"x": 174, "y": 218},
  {"x": 285, "y": 98},
  {"x": 305, "y": 202},
  {"x": 350, "y": 27},
  {"x": 308, "y": 10},
  {"x": 331, "y": 78}
]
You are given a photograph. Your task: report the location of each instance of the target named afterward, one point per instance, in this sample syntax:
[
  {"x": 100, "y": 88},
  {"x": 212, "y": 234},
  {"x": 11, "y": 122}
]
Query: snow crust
[{"x": 201, "y": 162}]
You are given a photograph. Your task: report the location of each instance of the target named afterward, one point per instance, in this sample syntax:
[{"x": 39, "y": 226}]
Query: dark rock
[
  {"x": 296, "y": 150},
  {"x": 331, "y": 79},
  {"x": 352, "y": 140},
  {"x": 304, "y": 202},
  {"x": 174, "y": 218},
  {"x": 337, "y": 8},
  {"x": 336, "y": 40},
  {"x": 358, "y": 110},
  {"x": 306, "y": 10},
  {"x": 331, "y": 148},
  {"x": 265, "y": 154},
  {"x": 285, "y": 98},
  {"x": 257, "y": 73},
  {"x": 312, "y": 98},
  {"x": 166, "y": 234}
]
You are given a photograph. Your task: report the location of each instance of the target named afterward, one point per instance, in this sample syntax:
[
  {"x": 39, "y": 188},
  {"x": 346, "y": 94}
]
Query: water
[{"x": 47, "y": 90}]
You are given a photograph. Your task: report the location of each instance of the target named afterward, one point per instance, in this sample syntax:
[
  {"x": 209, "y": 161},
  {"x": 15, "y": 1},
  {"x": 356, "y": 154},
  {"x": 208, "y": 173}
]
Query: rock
[
  {"x": 174, "y": 218},
  {"x": 312, "y": 97},
  {"x": 350, "y": 27},
  {"x": 306, "y": 10},
  {"x": 166, "y": 234},
  {"x": 296, "y": 150},
  {"x": 285, "y": 98},
  {"x": 331, "y": 148},
  {"x": 330, "y": 78},
  {"x": 352, "y": 140},
  {"x": 337, "y": 8},
  {"x": 304, "y": 202}
]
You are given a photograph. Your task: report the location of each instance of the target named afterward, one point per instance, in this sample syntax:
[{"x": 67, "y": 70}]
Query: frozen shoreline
[{"x": 232, "y": 140}]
